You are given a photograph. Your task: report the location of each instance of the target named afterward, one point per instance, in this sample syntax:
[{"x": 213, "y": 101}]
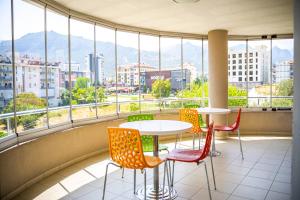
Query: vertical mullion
[
  {"x": 116, "y": 72},
  {"x": 202, "y": 74},
  {"x": 159, "y": 70},
  {"x": 70, "y": 68},
  {"x": 139, "y": 65},
  {"x": 13, "y": 65},
  {"x": 247, "y": 70},
  {"x": 95, "y": 83},
  {"x": 271, "y": 77},
  {"x": 46, "y": 64},
  {"x": 181, "y": 63}
]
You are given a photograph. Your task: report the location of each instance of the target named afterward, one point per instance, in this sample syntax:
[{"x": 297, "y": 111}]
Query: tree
[
  {"x": 161, "y": 88},
  {"x": 26, "y": 101},
  {"x": 82, "y": 82},
  {"x": 285, "y": 88}
]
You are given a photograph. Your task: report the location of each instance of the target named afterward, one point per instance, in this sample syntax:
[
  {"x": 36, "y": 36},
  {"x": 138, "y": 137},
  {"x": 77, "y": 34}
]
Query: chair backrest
[
  {"x": 125, "y": 148},
  {"x": 140, "y": 117},
  {"x": 208, "y": 141},
  {"x": 191, "y": 116},
  {"x": 236, "y": 124}
]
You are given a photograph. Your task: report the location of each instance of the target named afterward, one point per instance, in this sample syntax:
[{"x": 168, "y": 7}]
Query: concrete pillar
[
  {"x": 296, "y": 107},
  {"x": 218, "y": 74}
]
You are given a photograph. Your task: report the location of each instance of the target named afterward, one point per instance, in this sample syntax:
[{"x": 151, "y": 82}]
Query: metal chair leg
[
  {"x": 212, "y": 169},
  {"x": 209, "y": 192},
  {"x": 122, "y": 172},
  {"x": 172, "y": 183},
  {"x": 169, "y": 186},
  {"x": 145, "y": 183},
  {"x": 165, "y": 166},
  {"x": 105, "y": 178},
  {"x": 169, "y": 165},
  {"x": 193, "y": 141},
  {"x": 134, "y": 181},
  {"x": 241, "y": 148}
]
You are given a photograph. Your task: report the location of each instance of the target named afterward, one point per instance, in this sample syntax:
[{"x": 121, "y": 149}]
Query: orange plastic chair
[
  {"x": 192, "y": 116},
  {"x": 232, "y": 128},
  {"x": 126, "y": 151}
]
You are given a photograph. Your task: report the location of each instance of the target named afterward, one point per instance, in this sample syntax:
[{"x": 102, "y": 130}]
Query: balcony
[{"x": 201, "y": 54}]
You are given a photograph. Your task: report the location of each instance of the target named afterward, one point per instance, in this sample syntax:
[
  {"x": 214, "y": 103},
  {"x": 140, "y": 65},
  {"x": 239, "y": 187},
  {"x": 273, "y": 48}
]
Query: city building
[
  {"x": 258, "y": 71},
  {"x": 282, "y": 71},
  {"x": 128, "y": 75},
  {"x": 95, "y": 66}
]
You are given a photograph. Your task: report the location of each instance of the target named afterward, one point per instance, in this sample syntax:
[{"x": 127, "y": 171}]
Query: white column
[{"x": 218, "y": 74}]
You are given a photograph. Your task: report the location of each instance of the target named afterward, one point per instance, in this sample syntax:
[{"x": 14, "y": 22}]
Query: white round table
[
  {"x": 215, "y": 111},
  {"x": 157, "y": 128}
]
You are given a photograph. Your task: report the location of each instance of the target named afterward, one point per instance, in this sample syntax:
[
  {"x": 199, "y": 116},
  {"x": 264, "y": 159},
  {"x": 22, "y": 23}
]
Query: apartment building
[{"x": 282, "y": 71}]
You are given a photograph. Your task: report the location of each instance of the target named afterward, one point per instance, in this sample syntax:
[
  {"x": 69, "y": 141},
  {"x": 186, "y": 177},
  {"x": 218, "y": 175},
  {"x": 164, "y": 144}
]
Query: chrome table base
[{"x": 152, "y": 194}]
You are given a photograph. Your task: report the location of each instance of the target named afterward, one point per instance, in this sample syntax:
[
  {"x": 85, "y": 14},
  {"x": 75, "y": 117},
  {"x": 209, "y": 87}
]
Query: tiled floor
[{"x": 264, "y": 174}]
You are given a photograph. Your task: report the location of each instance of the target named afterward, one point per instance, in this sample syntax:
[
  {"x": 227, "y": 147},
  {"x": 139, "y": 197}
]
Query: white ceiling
[{"x": 239, "y": 17}]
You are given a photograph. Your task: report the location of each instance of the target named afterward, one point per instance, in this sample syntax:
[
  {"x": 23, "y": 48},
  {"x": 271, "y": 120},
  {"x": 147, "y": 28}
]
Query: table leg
[
  {"x": 214, "y": 152},
  {"x": 156, "y": 191}
]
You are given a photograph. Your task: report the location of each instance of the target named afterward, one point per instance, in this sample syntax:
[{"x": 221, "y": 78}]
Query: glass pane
[
  {"x": 238, "y": 73},
  {"x": 128, "y": 72},
  {"x": 106, "y": 75},
  {"x": 58, "y": 68},
  {"x": 149, "y": 46},
  {"x": 205, "y": 71},
  {"x": 193, "y": 80},
  {"x": 282, "y": 72},
  {"x": 82, "y": 59},
  {"x": 6, "y": 73},
  {"x": 30, "y": 66},
  {"x": 259, "y": 89},
  {"x": 171, "y": 74}
]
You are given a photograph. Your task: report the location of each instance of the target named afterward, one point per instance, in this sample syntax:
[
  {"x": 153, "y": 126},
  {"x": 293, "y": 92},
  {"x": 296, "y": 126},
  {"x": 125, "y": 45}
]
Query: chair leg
[
  {"x": 172, "y": 182},
  {"x": 169, "y": 186},
  {"x": 164, "y": 179},
  {"x": 209, "y": 192},
  {"x": 212, "y": 169},
  {"x": 122, "y": 172},
  {"x": 169, "y": 165},
  {"x": 145, "y": 183},
  {"x": 193, "y": 141},
  {"x": 105, "y": 178},
  {"x": 134, "y": 181},
  {"x": 214, "y": 143},
  {"x": 241, "y": 148}
]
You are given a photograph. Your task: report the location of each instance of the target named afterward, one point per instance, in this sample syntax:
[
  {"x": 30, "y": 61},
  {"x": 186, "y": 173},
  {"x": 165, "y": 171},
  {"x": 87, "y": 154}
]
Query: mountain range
[{"x": 33, "y": 45}]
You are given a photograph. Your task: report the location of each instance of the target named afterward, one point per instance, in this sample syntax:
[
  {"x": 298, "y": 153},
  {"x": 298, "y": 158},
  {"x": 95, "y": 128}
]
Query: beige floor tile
[
  {"x": 284, "y": 178},
  {"x": 257, "y": 182},
  {"x": 250, "y": 192},
  {"x": 262, "y": 174},
  {"x": 97, "y": 195},
  {"x": 281, "y": 187},
  {"x": 237, "y": 170},
  {"x": 277, "y": 196},
  {"x": 76, "y": 180},
  {"x": 186, "y": 191},
  {"x": 232, "y": 197},
  {"x": 203, "y": 195}
]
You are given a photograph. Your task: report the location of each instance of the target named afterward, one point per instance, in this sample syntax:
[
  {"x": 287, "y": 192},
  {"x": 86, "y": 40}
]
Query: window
[
  {"x": 233, "y": 55},
  {"x": 250, "y": 78},
  {"x": 282, "y": 73},
  {"x": 6, "y": 126},
  {"x": 106, "y": 72},
  {"x": 28, "y": 60},
  {"x": 240, "y": 73},
  {"x": 233, "y": 73},
  {"x": 233, "y": 62},
  {"x": 240, "y": 79},
  {"x": 127, "y": 65},
  {"x": 58, "y": 69},
  {"x": 83, "y": 89},
  {"x": 170, "y": 74},
  {"x": 240, "y": 67},
  {"x": 240, "y": 55}
]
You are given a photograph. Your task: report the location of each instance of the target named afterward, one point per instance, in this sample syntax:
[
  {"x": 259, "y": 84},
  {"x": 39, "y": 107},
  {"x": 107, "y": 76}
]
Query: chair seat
[
  {"x": 223, "y": 128},
  {"x": 153, "y": 161},
  {"x": 185, "y": 155}
]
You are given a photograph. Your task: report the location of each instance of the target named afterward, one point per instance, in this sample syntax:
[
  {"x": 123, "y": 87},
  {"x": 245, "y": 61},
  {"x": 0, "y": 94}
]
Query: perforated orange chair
[
  {"x": 192, "y": 116},
  {"x": 126, "y": 151},
  {"x": 232, "y": 128}
]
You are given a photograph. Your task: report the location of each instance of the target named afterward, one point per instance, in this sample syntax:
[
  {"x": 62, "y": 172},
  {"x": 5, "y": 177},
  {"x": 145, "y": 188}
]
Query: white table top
[
  {"x": 158, "y": 127},
  {"x": 213, "y": 110}
]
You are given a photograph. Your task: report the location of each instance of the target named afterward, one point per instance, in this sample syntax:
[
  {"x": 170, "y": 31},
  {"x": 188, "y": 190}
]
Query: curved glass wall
[{"x": 64, "y": 70}]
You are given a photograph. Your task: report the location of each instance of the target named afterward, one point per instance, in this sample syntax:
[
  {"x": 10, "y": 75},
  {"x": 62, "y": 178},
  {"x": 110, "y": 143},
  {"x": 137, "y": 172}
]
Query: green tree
[
  {"x": 161, "y": 88},
  {"x": 239, "y": 96},
  {"x": 26, "y": 101},
  {"x": 82, "y": 82},
  {"x": 285, "y": 88}
]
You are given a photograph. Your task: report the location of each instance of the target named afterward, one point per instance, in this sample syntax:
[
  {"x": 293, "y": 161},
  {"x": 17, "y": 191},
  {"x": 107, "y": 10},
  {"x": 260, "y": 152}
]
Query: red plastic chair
[
  {"x": 194, "y": 156},
  {"x": 232, "y": 128}
]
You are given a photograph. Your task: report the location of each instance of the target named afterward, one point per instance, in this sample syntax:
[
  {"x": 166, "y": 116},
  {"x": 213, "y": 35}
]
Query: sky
[{"x": 29, "y": 18}]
